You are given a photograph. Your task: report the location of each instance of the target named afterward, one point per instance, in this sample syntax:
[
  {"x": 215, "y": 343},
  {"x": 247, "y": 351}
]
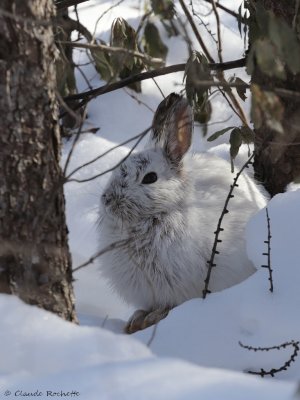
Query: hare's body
[
  {"x": 166, "y": 205},
  {"x": 165, "y": 261}
]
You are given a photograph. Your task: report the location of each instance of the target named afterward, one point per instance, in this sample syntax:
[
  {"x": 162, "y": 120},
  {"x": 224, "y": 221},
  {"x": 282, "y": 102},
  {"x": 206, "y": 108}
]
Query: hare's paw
[{"x": 143, "y": 319}]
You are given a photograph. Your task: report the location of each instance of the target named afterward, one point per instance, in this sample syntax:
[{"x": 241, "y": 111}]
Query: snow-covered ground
[{"x": 194, "y": 353}]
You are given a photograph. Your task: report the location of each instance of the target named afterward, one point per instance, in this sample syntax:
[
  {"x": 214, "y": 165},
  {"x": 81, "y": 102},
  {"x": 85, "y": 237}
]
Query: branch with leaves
[{"x": 148, "y": 75}]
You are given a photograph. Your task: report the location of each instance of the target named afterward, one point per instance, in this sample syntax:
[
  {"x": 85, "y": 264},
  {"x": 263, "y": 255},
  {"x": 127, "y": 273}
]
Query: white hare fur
[{"x": 171, "y": 222}]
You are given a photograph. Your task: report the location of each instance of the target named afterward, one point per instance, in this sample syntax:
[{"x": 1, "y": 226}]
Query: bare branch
[
  {"x": 196, "y": 32},
  {"x": 69, "y": 110},
  {"x": 153, "y": 334},
  {"x": 60, "y": 5},
  {"x": 104, "y": 13},
  {"x": 79, "y": 130},
  {"x": 110, "y": 49},
  {"x": 112, "y": 246},
  {"x": 141, "y": 136},
  {"x": 228, "y": 11},
  {"x": 218, "y": 30}
]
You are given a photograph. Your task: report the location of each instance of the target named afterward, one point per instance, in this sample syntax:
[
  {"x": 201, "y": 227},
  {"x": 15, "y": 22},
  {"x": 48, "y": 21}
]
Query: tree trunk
[
  {"x": 35, "y": 262},
  {"x": 277, "y": 159}
]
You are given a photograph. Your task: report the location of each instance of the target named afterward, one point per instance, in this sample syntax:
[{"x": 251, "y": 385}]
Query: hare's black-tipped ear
[
  {"x": 179, "y": 130},
  {"x": 173, "y": 127},
  {"x": 161, "y": 115}
]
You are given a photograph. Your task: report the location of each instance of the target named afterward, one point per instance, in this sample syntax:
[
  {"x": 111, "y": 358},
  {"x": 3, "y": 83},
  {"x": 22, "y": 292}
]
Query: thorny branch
[
  {"x": 268, "y": 253},
  {"x": 211, "y": 261},
  {"x": 284, "y": 367}
]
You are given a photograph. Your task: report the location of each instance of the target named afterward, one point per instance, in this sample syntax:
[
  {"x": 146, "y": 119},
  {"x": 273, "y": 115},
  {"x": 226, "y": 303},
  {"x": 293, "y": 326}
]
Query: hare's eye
[{"x": 150, "y": 178}]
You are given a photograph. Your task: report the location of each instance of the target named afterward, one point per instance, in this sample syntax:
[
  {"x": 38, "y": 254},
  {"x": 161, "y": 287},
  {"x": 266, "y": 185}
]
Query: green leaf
[
  {"x": 153, "y": 45},
  {"x": 125, "y": 65},
  {"x": 196, "y": 70},
  {"x": 241, "y": 90},
  {"x": 217, "y": 134},
  {"x": 102, "y": 63},
  {"x": 247, "y": 134},
  {"x": 164, "y": 8},
  {"x": 124, "y": 36},
  {"x": 235, "y": 141},
  {"x": 202, "y": 113},
  {"x": 240, "y": 19}
]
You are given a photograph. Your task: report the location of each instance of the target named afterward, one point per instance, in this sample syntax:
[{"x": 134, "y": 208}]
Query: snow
[
  {"x": 193, "y": 353},
  {"x": 51, "y": 358}
]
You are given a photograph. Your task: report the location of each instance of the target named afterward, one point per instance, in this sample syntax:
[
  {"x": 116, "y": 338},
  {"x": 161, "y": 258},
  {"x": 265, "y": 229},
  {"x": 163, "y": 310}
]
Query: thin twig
[
  {"x": 104, "y": 13},
  {"x": 142, "y": 21},
  {"x": 228, "y": 11},
  {"x": 140, "y": 135},
  {"x": 78, "y": 133},
  {"x": 112, "y": 168},
  {"x": 69, "y": 110},
  {"x": 211, "y": 261},
  {"x": 122, "y": 50},
  {"x": 196, "y": 32},
  {"x": 223, "y": 121},
  {"x": 84, "y": 77},
  {"x": 202, "y": 23},
  {"x": 297, "y": 4},
  {"x": 153, "y": 334},
  {"x": 108, "y": 248},
  {"x": 268, "y": 253},
  {"x": 139, "y": 101},
  {"x": 185, "y": 34},
  {"x": 218, "y": 30}
]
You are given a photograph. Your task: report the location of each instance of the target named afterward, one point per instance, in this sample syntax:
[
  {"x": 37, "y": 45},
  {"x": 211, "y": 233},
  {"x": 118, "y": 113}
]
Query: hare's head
[{"x": 151, "y": 183}]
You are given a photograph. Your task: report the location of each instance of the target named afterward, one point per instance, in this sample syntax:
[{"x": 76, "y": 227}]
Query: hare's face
[
  {"x": 153, "y": 183},
  {"x": 144, "y": 186}
]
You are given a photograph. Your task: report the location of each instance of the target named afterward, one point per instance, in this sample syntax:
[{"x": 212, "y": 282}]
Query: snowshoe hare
[{"x": 165, "y": 204}]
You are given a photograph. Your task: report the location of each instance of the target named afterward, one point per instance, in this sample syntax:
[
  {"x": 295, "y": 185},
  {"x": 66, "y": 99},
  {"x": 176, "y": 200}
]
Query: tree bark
[
  {"x": 277, "y": 158},
  {"x": 35, "y": 262}
]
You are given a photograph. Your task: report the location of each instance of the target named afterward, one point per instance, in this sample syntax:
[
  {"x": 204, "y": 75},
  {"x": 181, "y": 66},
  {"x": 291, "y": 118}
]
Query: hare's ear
[
  {"x": 160, "y": 117},
  {"x": 178, "y": 131},
  {"x": 173, "y": 127}
]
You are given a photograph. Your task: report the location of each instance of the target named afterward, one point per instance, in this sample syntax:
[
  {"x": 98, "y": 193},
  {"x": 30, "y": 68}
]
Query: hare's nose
[{"x": 106, "y": 199}]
